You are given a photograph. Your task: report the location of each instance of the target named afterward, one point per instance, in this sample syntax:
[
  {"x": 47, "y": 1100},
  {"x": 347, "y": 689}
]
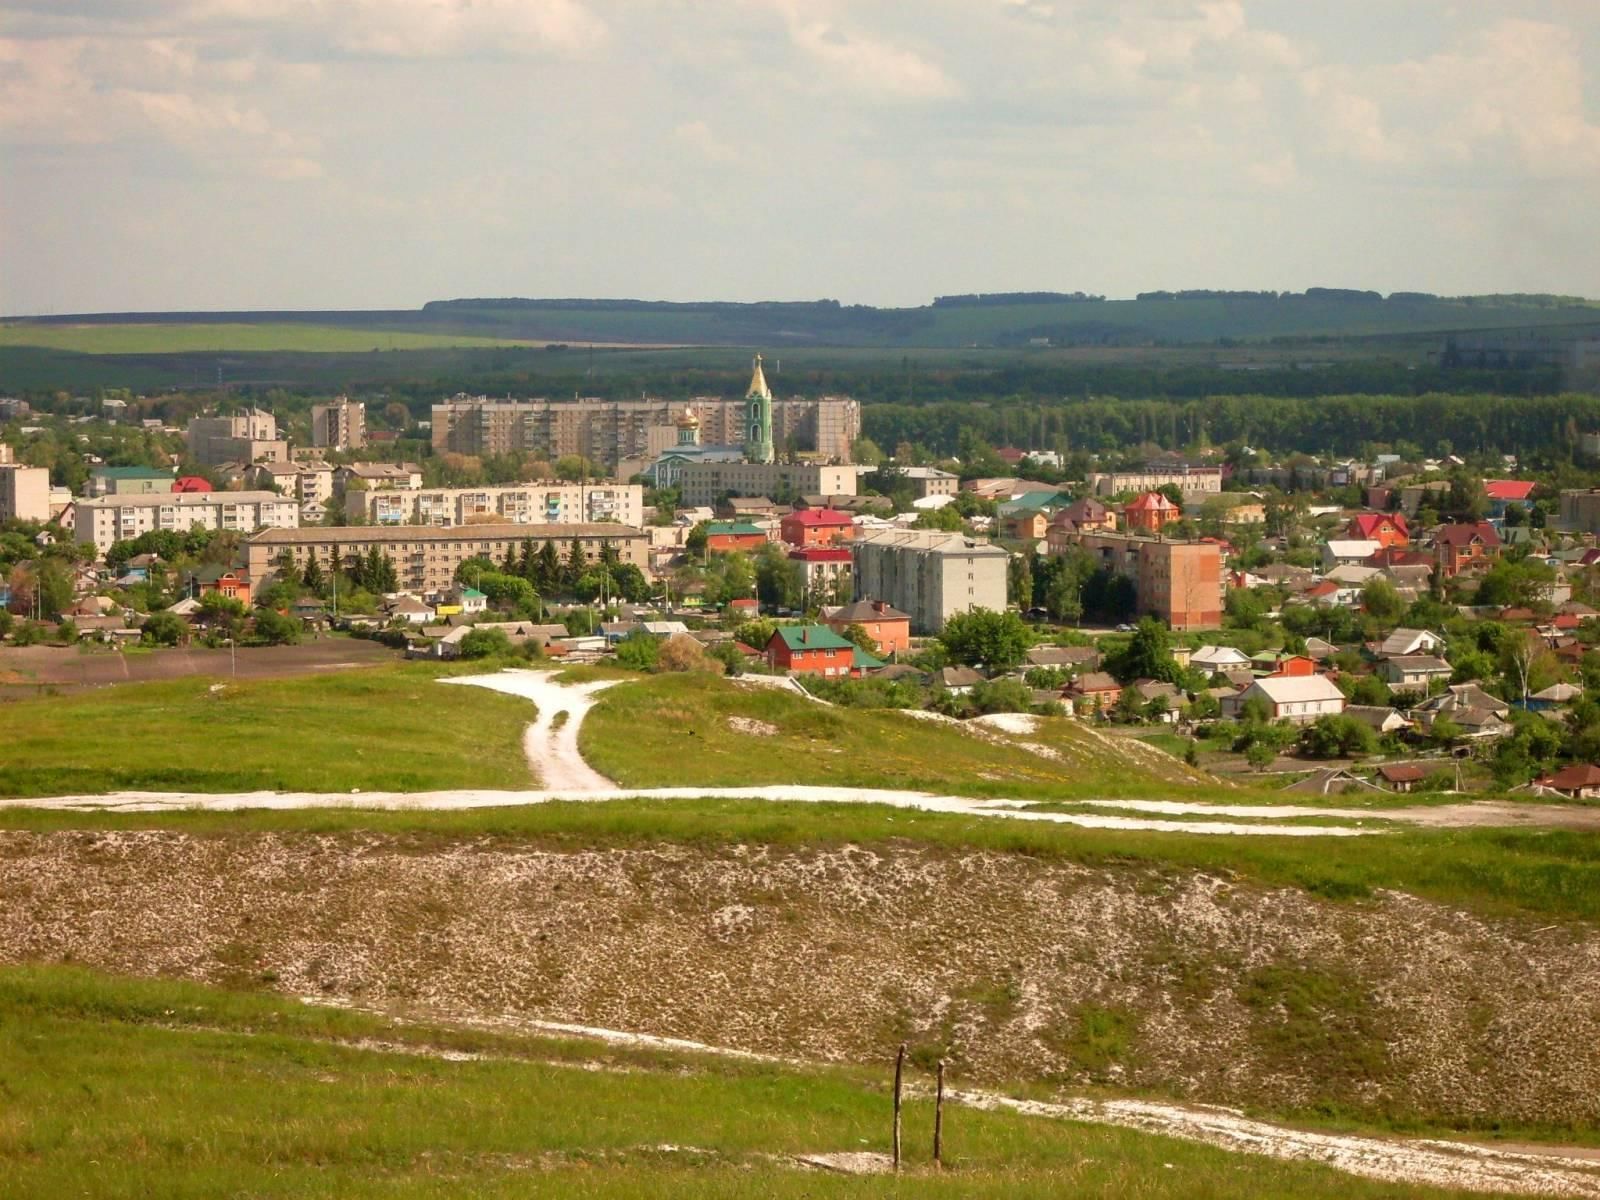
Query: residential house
[
  {"x": 811, "y": 650},
  {"x": 1292, "y": 666},
  {"x": 1093, "y": 691},
  {"x": 406, "y": 607},
  {"x": 1377, "y": 717},
  {"x": 1401, "y": 777},
  {"x": 1150, "y": 512},
  {"x": 378, "y": 476},
  {"x": 1300, "y": 700},
  {"x": 723, "y": 537},
  {"x": 1479, "y": 715},
  {"x": 1580, "y": 781},
  {"x": 749, "y": 508},
  {"x": 1219, "y": 658},
  {"x": 958, "y": 680},
  {"x": 1413, "y": 672},
  {"x": 1502, "y": 493},
  {"x": 1410, "y": 641},
  {"x": 816, "y": 527},
  {"x": 1029, "y": 526},
  {"x": 1348, "y": 551},
  {"x": 1389, "y": 530},
  {"x": 1065, "y": 658},
  {"x": 1465, "y": 546},
  {"x": 225, "y": 581},
  {"x": 1087, "y": 515},
  {"x": 887, "y": 626}
]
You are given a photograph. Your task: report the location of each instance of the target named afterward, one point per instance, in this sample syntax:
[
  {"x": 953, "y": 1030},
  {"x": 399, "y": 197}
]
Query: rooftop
[{"x": 351, "y": 535}]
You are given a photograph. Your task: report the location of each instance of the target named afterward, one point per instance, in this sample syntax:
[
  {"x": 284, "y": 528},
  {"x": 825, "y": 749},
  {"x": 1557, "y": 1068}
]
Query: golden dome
[{"x": 687, "y": 420}]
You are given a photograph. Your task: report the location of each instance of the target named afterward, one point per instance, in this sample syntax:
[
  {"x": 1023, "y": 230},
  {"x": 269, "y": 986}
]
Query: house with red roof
[
  {"x": 816, "y": 527},
  {"x": 1504, "y": 492},
  {"x": 1389, "y": 530},
  {"x": 826, "y": 569},
  {"x": 1464, "y": 546},
  {"x": 1150, "y": 512},
  {"x": 1580, "y": 781},
  {"x": 190, "y": 483}
]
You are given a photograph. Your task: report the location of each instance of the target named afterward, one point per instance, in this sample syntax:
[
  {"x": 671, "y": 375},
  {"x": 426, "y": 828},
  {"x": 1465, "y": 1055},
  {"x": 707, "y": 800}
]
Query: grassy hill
[{"x": 132, "y": 1087}]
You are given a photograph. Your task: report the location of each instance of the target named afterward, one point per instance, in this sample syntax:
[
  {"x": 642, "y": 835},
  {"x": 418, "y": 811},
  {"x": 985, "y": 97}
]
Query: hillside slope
[{"x": 1161, "y": 980}]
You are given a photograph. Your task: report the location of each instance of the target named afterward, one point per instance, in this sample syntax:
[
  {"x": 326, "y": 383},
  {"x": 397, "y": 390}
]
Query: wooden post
[
  {"x": 938, "y": 1119},
  {"x": 899, "y": 1072}
]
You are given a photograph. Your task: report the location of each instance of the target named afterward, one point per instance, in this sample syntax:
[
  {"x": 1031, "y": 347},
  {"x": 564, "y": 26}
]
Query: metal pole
[
  {"x": 899, "y": 1072},
  {"x": 938, "y": 1119}
]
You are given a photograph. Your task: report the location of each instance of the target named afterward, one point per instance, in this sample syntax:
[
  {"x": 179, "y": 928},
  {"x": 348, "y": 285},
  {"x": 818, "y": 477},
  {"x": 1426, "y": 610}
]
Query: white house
[
  {"x": 1298, "y": 698},
  {"x": 1219, "y": 658},
  {"x": 1355, "y": 551},
  {"x": 1410, "y": 641},
  {"x": 1413, "y": 672}
]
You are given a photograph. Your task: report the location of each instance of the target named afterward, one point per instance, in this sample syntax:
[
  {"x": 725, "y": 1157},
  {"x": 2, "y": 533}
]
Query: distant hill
[{"x": 1003, "y": 319}]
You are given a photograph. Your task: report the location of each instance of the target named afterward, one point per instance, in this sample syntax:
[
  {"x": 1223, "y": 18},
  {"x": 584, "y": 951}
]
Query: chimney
[
  {"x": 879, "y": 605},
  {"x": 805, "y": 635}
]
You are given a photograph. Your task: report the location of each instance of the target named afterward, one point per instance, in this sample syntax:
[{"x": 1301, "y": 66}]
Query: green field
[
  {"x": 678, "y": 731},
  {"x": 188, "y": 338},
  {"x": 125, "y": 1087},
  {"x": 389, "y": 728}
]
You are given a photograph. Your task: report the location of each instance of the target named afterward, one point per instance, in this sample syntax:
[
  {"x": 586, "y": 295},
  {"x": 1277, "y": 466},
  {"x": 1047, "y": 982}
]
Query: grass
[
  {"x": 191, "y": 337},
  {"x": 125, "y": 1087},
  {"x": 638, "y": 736},
  {"x": 387, "y": 728},
  {"x": 1544, "y": 874}
]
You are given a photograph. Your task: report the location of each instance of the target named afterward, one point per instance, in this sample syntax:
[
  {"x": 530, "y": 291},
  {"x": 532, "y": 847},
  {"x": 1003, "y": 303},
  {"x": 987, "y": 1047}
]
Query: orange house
[
  {"x": 1389, "y": 530},
  {"x": 1296, "y": 666},
  {"x": 1457, "y": 548},
  {"x": 887, "y": 626},
  {"x": 724, "y": 537},
  {"x": 816, "y": 527},
  {"x": 1150, "y": 513},
  {"x": 227, "y": 582}
]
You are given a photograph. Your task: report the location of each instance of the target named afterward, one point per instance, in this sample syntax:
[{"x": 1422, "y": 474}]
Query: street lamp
[{"x": 233, "y": 657}]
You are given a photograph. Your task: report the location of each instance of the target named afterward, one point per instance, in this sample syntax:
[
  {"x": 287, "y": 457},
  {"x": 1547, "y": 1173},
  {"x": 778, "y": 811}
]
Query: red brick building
[
  {"x": 811, "y": 650},
  {"x": 1149, "y": 513},
  {"x": 1176, "y": 582},
  {"x": 816, "y": 527},
  {"x": 1462, "y": 547},
  {"x": 724, "y": 537}
]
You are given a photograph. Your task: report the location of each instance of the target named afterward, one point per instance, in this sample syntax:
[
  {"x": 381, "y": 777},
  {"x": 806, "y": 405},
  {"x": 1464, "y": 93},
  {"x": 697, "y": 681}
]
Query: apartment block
[
  {"x": 548, "y": 503},
  {"x": 1177, "y": 582},
  {"x": 703, "y": 483},
  {"x": 129, "y": 481},
  {"x": 1580, "y": 510},
  {"x": 246, "y": 437},
  {"x": 426, "y": 559},
  {"x": 930, "y": 574},
  {"x": 340, "y": 425},
  {"x": 310, "y": 482},
  {"x": 24, "y": 493},
  {"x": 110, "y": 519},
  {"x": 608, "y": 431},
  {"x": 1187, "y": 479}
]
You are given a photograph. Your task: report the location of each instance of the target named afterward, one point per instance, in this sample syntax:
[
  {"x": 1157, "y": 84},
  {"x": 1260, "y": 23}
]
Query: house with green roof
[
  {"x": 723, "y": 537},
  {"x": 816, "y": 650}
]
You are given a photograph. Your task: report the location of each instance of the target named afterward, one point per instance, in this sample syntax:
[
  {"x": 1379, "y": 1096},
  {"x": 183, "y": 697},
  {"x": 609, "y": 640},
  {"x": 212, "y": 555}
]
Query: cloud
[
  {"x": 861, "y": 62},
  {"x": 1506, "y": 97},
  {"x": 697, "y": 136}
]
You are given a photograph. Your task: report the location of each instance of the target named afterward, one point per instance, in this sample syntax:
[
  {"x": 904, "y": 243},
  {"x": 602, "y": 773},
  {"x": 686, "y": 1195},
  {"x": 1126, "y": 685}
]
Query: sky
[{"x": 213, "y": 154}]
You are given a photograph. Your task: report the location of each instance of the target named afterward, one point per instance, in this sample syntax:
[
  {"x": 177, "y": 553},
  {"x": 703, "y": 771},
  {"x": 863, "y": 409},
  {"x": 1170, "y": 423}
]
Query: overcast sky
[{"x": 161, "y": 154}]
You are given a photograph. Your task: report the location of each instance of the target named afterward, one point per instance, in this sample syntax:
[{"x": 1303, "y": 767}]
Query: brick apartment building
[{"x": 1177, "y": 582}]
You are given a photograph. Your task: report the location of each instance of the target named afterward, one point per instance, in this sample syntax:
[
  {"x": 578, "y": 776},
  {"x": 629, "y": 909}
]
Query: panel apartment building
[
  {"x": 24, "y": 491},
  {"x": 608, "y": 431},
  {"x": 930, "y": 574},
  {"x": 1176, "y": 582},
  {"x": 704, "y": 483},
  {"x": 425, "y": 560},
  {"x": 340, "y": 425},
  {"x": 518, "y": 504},
  {"x": 246, "y": 437},
  {"x": 110, "y": 519}
]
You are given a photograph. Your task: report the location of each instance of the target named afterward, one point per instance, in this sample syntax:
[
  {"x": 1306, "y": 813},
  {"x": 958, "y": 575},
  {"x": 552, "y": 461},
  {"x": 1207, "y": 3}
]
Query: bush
[
  {"x": 163, "y": 629},
  {"x": 276, "y": 629},
  {"x": 1337, "y": 736},
  {"x": 1002, "y": 695},
  {"x": 681, "y": 652},
  {"x": 639, "y": 651},
  {"x": 484, "y": 643}
]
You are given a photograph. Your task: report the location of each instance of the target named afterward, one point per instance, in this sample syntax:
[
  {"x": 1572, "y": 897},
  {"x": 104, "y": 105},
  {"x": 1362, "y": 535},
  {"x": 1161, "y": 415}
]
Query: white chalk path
[{"x": 554, "y": 757}]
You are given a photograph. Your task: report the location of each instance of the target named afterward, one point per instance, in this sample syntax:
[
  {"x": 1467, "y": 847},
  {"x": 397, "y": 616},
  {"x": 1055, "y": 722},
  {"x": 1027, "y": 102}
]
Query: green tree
[
  {"x": 312, "y": 576},
  {"x": 1064, "y": 599},
  {"x": 1148, "y": 654},
  {"x": 1260, "y": 754},
  {"x": 1381, "y": 601},
  {"x": 998, "y": 641},
  {"x": 163, "y": 629},
  {"x": 484, "y": 643},
  {"x": 276, "y": 629},
  {"x": 639, "y": 651},
  {"x": 779, "y": 582}
]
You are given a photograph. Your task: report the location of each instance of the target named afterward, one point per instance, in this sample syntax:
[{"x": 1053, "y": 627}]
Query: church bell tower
[{"x": 758, "y": 418}]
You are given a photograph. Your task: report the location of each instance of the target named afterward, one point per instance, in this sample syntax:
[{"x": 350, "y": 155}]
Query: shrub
[
  {"x": 639, "y": 651},
  {"x": 484, "y": 643}
]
